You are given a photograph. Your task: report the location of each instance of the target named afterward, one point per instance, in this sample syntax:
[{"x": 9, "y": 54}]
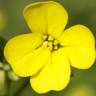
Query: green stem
[{"x": 22, "y": 88}]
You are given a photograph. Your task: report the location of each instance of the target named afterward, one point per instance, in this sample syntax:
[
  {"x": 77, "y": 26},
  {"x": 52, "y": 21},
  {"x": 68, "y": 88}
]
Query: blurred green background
[{"x": 83, "y": 82}]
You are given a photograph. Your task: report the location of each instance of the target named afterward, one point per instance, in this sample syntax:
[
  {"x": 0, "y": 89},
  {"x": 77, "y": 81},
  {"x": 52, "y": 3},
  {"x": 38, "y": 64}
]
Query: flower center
[{"x": 50, "y": 42}]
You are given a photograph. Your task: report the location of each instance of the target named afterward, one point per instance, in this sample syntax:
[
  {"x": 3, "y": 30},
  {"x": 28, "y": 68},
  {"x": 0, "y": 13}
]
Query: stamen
[
  {"x": 50, "y": 44},
  {"x": 55, "y": 42},
  {"x": 45, "y": 37},
  {"x": 55, "y": 47},
  {"x": 50, "y": 38},
  {"x": 45, "y": 43}
]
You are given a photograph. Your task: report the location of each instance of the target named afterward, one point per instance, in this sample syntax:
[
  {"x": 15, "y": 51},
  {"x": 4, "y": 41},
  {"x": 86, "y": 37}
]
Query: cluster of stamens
[{"x": 50, "y": 42}]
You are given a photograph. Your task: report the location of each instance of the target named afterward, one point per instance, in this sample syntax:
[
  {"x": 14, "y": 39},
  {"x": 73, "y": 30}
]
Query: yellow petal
[
  {"x": 80, "y": 57},
  {"x": 46, "y": 17},
  {"x": 77, "y": 35},
  {"x": 54, "y": 76},
  {"x": 79, "y": 45},
  {"x": 31, "y": 63},
  {"x": 21, "y": 45},
  {"x": 23, "y": 56}
]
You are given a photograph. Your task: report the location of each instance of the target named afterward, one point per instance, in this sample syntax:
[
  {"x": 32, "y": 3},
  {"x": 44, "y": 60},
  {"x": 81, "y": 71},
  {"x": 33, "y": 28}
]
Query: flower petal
[
  {"x": 79, "y": 45},
  {"x": 46, "y": 17},
  {"x": 54, "y": 76},
  {"x": 77, "y": 35},
  {"x": 23, "y": 56},
  {"x": 81, "y": 57},
  {"x": 20, "y": 45}
]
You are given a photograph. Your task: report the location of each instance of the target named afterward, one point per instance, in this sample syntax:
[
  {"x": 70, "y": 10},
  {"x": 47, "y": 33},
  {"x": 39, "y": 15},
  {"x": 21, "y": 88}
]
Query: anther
[
  {"x": 45, "y": 43},
  {"x": 50, "y": 44},
  {"x": 45, "y": 37},
  {"x": 50, "y": 38},
  {"x": 55, "y": 47},
  {"x": 55, "y": 42}
]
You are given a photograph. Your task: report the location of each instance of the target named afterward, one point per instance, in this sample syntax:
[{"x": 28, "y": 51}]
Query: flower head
[{"x": 47, "y": 53}]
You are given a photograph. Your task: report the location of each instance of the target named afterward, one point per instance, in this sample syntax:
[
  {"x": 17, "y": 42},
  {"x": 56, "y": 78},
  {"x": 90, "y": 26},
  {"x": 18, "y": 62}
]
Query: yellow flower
[{"x": 47, "y": 53}]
